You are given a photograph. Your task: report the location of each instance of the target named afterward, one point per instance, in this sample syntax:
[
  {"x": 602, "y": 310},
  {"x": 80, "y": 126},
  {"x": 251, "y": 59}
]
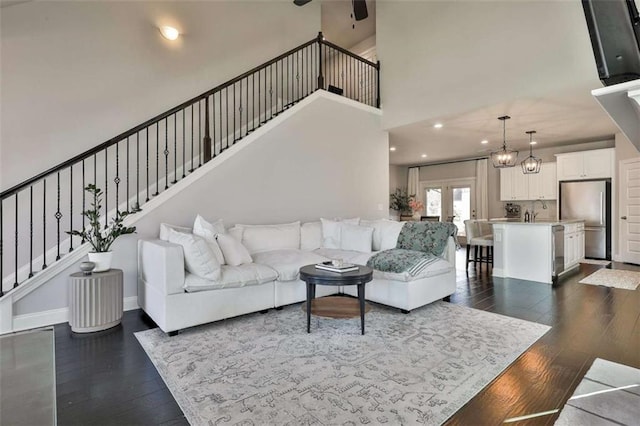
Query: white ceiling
[
  {"x": 337, "y": 23},
  {"x": 466, "y": 63},
  {"x": 560, "y": 120}
]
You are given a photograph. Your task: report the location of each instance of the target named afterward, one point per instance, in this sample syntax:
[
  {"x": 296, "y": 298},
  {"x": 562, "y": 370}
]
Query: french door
[{"x": 451, "y": 200}]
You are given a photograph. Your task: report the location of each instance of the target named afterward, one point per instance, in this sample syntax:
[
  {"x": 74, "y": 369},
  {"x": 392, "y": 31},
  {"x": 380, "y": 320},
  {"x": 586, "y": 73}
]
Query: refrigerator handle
[{"x": 601, "y": 208}]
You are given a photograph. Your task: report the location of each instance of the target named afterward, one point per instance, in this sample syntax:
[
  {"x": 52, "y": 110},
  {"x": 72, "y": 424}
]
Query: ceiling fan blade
[
  {"x": 300, "y": 2},
  {"x": 360, "y": 10}
]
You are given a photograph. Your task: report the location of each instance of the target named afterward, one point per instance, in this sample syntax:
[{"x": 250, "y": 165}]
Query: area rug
[
  {"x": 618, "y": 278},
  {"x": 596, "y": 262},
  {"x": 406, "y": 369},
  {"x": 608, "y": 394}
]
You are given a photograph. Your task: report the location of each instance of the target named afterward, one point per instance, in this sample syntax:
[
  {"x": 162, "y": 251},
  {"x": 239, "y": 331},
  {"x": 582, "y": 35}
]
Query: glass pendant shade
[
  {"x": 504, "y": 157},
  {"x": 531, "y": 164}
]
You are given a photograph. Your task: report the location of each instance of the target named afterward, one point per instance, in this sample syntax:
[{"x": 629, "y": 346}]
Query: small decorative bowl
[{"x": 87, "y": 267}]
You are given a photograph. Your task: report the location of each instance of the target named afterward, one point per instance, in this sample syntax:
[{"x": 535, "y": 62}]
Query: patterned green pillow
[{"x": 427, "y": 237}]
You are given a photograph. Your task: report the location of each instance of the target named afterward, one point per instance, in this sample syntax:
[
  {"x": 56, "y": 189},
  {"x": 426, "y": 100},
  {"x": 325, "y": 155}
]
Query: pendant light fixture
[
  {"x": 531, "y": 164},
  {"x": 504, "y": 157}
]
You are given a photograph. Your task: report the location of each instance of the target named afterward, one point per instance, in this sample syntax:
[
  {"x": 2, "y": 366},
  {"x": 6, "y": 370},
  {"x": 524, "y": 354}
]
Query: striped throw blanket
[{"x": 401, "y": 260}]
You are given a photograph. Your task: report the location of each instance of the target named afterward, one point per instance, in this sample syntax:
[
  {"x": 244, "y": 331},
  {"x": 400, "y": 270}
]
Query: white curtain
[
  {"x": 482, "y": 195},
  {"x": 413, "y": 184}
]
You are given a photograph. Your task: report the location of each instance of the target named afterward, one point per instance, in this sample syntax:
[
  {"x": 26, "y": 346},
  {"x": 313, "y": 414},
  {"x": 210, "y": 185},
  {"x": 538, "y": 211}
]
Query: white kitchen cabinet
[
  {"x": 594, "y": 164},
  {"x": 543, "y": 185},
  {"x": 573, "y": 244},
  {"x": 516, "y": 186}
]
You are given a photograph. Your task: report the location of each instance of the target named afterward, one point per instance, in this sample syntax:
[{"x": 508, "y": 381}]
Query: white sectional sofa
[{"x": 176, "y": 298}]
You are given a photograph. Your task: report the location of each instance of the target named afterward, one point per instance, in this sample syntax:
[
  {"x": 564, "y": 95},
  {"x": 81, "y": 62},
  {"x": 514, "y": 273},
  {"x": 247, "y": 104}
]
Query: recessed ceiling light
[
  {"x": 169, "y": 33},
  {"x": 533, "y": 143},
  {"x": 437, "y": 126},
  {"x": 393, "y": 148},
  {"x": 424, "y": 155},
  {"x": 484, "y": 142}
]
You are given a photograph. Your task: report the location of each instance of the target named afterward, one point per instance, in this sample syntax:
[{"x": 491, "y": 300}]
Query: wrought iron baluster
[
  {"x": 213, "y": 122},
  {"x": 137, "y": 170},
  {"x": 220, "y": 103},
  {"x": 147, "y": 160},
  {"x": 15, "y": 282},
  {"x": 192, "y": 151},
  {"x": 233, "y": 139},
  {"x": 206, "y": 142},
  {"x": 157, "y": 159},
  {"x": 240, "y": 112},
  {"x": 127, "y": 180},
  {"x": 106, "y": 186},
  {"x": 30, "y": 232},
  {"x": 175, "y": 148},
  {"x": 199, "y": 133},
  {"x": 166, "y": 154},
  {"x": 58, "y": 216},
  {"x": 44, "y": 223},
  {"x": 70, "y": 207},
  {"x": 270, "y": 91},
  {"x": 84, "y": 205},
  {"x": 116, "y": 180},
  {"x": 184, "y": 142}
]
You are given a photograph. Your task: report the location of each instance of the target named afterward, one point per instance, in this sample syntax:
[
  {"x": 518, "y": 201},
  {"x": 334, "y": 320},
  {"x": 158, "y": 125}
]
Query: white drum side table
[{"x": 95, "y": 301}]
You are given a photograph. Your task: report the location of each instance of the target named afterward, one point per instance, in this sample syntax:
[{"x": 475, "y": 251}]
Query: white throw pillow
[
  {"x": 311, "y": 236},
  {"x": 261, "y": 238},
  {"x": 385, "y": 233},
  {"x": 198, "y": 257},
  {"x": 356, "y": 238},
  {"x": 234, "y": 252},
  {"x": 165, "y": 227},
  {"x": 208, "y": 232},
  {"x": 331, "y": 231},
  {"x": 390, "y": 233}
]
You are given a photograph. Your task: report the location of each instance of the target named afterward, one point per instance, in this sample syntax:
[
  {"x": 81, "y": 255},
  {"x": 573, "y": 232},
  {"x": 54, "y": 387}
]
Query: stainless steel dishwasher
[{"x": 557, "y": 251}]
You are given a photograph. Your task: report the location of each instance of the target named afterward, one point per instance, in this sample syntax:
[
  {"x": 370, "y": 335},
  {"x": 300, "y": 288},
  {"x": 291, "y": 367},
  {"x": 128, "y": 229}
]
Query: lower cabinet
[{"x": 573, "y": 244}]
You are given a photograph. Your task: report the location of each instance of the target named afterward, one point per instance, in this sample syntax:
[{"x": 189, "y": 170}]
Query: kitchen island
[{"x": 537, "y": 251}]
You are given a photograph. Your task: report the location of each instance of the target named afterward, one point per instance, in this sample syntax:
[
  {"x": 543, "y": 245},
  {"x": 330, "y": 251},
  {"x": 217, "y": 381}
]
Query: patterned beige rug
[
  {"x": 407, "y": 369},
  {"x": 618, "y": 278}
]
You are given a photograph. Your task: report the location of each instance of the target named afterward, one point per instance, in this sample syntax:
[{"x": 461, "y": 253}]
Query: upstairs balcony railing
[{"x": 142, "y": 162}]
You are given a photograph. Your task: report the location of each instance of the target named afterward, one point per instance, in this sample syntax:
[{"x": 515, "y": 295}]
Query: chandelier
[
  {"x": 504, "y": 157},
  {"x": 531, "y": 164}
]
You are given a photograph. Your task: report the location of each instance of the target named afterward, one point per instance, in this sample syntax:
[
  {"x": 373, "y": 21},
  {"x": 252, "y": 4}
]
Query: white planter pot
[{"x": 102, "y": 260}]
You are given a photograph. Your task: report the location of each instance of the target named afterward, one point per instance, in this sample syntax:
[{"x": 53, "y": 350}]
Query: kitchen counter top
[{"x": 537, "y": 223}]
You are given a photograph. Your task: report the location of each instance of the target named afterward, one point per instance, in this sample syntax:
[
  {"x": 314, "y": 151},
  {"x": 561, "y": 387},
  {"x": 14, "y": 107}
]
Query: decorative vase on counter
[
  {"x": 102, "y": 260},
  {"x": 417, "y": 215}
]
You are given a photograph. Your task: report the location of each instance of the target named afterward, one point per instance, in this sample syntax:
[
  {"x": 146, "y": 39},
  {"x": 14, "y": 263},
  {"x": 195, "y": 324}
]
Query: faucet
[{"x": 533, "y": 208}]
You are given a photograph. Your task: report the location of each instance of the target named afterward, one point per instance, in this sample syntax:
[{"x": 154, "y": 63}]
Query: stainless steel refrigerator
[{"x": 589, "y": 200}]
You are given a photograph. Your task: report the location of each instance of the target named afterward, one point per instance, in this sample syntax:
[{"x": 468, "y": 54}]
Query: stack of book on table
[{"x": 331, "y": 267}]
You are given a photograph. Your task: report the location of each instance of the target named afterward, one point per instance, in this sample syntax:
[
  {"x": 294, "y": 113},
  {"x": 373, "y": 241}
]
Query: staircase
[{"x": 136, "y": 166}]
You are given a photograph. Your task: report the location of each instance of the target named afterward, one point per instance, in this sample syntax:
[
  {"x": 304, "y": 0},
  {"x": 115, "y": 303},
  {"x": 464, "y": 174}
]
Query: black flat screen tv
[{"x": 614, "y": 28}]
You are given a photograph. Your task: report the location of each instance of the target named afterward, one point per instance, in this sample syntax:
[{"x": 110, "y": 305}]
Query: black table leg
[
  {"x": 309, "y": 298},
  {"x": 361, "y": 300}
]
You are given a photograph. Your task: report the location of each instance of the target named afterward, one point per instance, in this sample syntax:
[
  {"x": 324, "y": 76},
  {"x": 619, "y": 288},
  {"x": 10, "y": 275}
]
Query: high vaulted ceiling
[
  {"x": 464, "y": 64},
  {"x": 339, "y": 28}
]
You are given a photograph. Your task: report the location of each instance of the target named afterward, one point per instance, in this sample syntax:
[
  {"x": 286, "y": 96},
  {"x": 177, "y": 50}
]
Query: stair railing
[{"x": 146, "y": 160}]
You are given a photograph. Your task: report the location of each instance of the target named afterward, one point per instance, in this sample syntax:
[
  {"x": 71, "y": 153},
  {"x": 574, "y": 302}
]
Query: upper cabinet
[
  {"x": 594, "y": 164},
  {"x": 516, "y": 186},
  {"x": 544, "y": 185}
]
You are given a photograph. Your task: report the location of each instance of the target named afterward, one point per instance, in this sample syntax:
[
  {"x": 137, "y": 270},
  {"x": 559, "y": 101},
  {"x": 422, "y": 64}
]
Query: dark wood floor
[{"x": 106, "y": 378}]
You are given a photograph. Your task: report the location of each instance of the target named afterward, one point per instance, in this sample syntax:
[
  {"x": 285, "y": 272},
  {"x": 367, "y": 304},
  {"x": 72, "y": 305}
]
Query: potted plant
[
  {"x": 417, "y": 207},
  {"x": 99, "y": 238},
  {"x": 399, "y": 201}
]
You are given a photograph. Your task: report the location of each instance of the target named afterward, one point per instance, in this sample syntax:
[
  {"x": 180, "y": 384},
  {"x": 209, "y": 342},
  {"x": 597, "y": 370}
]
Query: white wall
[
  {"x": 443, "y": 57},
  {"x": 75, "y": 74},
  {"x": 303, "y": 169}
]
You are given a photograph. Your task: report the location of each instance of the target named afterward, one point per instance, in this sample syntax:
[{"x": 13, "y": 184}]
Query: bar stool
[{"x": 477, "y": 239}]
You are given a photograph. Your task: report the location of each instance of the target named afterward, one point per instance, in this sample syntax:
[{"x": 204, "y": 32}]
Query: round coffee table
[{"x": 313, "y": 276}]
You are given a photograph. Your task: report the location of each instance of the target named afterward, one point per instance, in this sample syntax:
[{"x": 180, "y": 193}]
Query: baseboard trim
[{"x": 57, "y": 316}]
